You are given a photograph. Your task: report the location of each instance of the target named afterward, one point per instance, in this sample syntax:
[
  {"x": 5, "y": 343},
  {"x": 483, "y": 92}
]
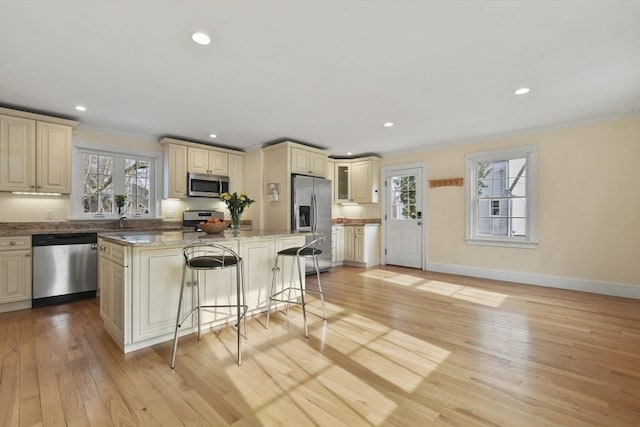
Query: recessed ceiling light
[
  {"x": 213, "y": 135},
  {"x": 349, "y": 153},
  {"x": 388, "y": 124},
  {"x": 201, "y": 38},
  {"x": 521, "y": 91},
  {"x": 81, "y": 108}
]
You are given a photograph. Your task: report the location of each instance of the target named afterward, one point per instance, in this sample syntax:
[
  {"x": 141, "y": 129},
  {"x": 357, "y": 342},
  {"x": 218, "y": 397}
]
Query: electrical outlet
[
  {"x": 48, "y": 213},
  {"x": 170, "y": 213}
]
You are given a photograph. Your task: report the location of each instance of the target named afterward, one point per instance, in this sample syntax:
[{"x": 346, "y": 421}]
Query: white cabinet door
[
  {"x": 17, "y": 154},
  {"x": 175, "y": 170},
  {"x": 364, "y": 188},
  {"x": 308, "y": 162},
  {"x": 158, "y": 274},
  {"x": 111, "y": 279},
  {"x": 339, "y": 244},
  {"x": 258, "y": 262},
  {"x": 218, "y": 163},
  {"x": 349, "y": 244},
  {"x": 342, "y": 183},
  {"x": 15, "y": 275},
  {"x": 202, "y": 160},
  {"x": 359, "y": 245},
  {"x": 219, "y": 289},
  {"x": 53, "y": 151},
  {"x": 236, "y": 173},
  {"x": 198, "y": 160}
]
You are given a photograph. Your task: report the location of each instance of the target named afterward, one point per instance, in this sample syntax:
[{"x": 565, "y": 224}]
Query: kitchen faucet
[{"x": 122, "y": 218}]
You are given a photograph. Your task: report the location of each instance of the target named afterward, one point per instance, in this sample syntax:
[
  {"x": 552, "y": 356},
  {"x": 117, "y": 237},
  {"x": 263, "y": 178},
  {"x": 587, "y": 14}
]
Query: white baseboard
[
  {"x": 13, "y": 306},
  {"x": 569, "y": 283}
]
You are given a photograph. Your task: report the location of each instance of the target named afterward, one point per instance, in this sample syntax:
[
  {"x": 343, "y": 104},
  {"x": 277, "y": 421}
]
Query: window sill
[{"x": 501, "y": 242}]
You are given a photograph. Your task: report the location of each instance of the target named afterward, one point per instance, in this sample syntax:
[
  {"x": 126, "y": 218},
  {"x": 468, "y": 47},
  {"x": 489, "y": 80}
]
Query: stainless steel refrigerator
[{"x": 311, "y": 212}]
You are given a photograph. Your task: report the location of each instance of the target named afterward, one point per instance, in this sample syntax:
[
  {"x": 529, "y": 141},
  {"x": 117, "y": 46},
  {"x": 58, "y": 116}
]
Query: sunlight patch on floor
[
  {"x": 394, "y": 356},
  {"x": 466, "y": 293},
  {"x": 395, "y": 278}
]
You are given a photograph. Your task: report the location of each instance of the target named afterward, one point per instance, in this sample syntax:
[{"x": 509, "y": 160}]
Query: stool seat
[
  {"x": 300, "y": 251},
  {"x": 203, "y": 257},
  {"x": 310, "y": 250},
  {"x": 212, "y": 262}
]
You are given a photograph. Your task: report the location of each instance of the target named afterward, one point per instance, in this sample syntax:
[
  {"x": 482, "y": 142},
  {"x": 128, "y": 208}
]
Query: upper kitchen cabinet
[
  {"x": 202, "y": 160},
  {"x": 181, "y": 157},
  {"x": 175, "y": 171},
  {"x": 357, "y": 180},
  {"x": 35, "y": 152},
  {"x": 236, "y": 173},
  {"x": 309, "y": 161}
]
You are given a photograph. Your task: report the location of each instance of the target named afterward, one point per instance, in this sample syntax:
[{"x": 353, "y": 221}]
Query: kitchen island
[{"x": 139, "y": 275}]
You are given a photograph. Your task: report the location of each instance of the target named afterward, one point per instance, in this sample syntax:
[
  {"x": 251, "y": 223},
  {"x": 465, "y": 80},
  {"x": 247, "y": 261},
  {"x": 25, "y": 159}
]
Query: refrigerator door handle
[{"x": 314, "y": 213}]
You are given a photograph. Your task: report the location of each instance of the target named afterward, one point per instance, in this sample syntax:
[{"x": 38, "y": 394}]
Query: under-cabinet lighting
[
  {"x": 81, "y": 108},
  {"x": 29, "y": 193},
  {"x": 212, "y": 135}
]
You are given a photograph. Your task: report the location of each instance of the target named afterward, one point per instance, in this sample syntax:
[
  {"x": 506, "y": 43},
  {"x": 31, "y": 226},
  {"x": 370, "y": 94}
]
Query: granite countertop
[
  {"x": 57, "y": 227},
  {"x": 181, "y": 237}
]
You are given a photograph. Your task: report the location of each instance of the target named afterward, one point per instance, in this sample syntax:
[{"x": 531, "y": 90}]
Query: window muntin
[
  {"x": 502, "y": 196},
  {"x": 104, "y": 174},
  {"x": 403, "y": 197}
]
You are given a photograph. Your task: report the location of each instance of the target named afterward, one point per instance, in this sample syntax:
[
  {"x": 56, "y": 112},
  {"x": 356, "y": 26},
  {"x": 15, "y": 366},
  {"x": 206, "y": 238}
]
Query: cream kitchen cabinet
[
  {"x": 15, "y": 273},
  {"x": 337, "y": 244},
  {"x": 202, "y": 160},
  {"x": 357, "y": 180},
  {"x": 181, "y": 157},
  {"x": 307, "y": 162},
  {"x": 35, "y": 154},
  {"x": 112, "y": 283},
  {"x": 175, "y": 171},
  {"x": 362, "y": 245},
  {"x": 236, "y": 173}
]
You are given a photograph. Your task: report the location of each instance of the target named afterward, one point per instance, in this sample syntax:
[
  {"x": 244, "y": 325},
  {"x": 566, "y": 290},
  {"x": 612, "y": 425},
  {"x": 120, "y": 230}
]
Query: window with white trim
[
  {"x": 101, "y": 175},
  {"x": 501, "y": 194}
]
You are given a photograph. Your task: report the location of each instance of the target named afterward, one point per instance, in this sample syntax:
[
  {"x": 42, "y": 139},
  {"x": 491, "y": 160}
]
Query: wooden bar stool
[
  {"x": 203, "y": 257},
  {"x": 310, "y": 250}
]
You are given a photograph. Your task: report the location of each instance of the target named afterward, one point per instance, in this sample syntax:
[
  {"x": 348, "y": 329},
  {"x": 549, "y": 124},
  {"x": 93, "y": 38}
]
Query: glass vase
[{"x": 235, "y": 224}]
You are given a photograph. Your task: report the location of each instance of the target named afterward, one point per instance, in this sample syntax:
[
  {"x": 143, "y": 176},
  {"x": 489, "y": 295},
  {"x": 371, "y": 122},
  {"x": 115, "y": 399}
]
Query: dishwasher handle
[{"x": 63, "y": 239}]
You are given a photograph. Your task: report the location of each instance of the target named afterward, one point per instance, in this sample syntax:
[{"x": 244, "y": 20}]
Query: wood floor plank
[{"x": 401, "y": 347}]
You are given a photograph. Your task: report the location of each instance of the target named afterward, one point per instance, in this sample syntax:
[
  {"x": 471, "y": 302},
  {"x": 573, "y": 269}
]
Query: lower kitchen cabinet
[
  {"x": 337, "y": 244},
  {"x": 362, "y": 245},
  {"x": 15, "y": 273},
  {"x": 112, "y": 281}
]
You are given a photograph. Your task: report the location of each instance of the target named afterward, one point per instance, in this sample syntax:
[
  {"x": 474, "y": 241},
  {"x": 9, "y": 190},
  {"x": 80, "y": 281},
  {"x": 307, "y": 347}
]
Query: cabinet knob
[
  {"x": 12, "y": 243},
  {"x": 28, "y": 255}
]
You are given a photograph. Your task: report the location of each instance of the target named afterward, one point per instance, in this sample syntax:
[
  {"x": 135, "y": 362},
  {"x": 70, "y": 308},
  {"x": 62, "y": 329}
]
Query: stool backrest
[
  {"x": 210, "y": 256},
  {"x": 312, "y": 248}
]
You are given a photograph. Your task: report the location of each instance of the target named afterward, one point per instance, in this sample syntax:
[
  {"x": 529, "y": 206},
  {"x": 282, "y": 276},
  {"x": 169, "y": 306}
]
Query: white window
[
  {"x": 101, "y": 174},
  {"x": 501, "y": 197}
]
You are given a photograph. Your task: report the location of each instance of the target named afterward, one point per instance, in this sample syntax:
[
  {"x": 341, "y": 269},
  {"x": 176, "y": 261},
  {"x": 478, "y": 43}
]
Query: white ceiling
[{"x": 328, "y": 73}]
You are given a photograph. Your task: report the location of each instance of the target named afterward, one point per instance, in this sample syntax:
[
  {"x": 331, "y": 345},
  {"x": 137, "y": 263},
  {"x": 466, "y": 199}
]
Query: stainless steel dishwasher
[{"x": 64, "y": 267}]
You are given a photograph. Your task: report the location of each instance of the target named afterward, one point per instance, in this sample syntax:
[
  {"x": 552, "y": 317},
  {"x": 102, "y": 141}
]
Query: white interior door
[{"x": 404, "y": 223}]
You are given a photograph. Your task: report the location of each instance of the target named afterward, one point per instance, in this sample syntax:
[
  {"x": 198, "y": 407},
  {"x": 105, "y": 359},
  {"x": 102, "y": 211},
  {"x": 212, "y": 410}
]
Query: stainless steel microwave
[{"x": 203, "y": 185}]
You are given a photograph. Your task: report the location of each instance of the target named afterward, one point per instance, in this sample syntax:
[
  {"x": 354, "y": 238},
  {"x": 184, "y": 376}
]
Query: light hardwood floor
[{"x": 401, "y": 347}]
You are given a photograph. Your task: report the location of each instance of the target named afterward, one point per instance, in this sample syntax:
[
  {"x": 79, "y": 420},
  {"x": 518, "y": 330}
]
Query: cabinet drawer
[
  {"x": 15, "y": 242},
  {"x": 111, "y": 251}
]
